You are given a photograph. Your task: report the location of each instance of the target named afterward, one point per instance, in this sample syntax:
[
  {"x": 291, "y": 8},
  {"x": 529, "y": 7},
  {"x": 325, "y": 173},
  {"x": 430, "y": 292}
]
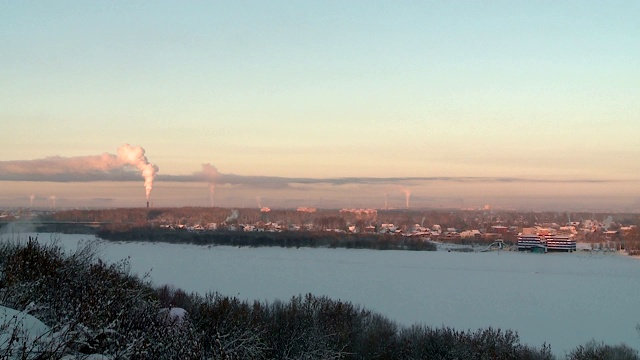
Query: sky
[{"x": 513, "y": 103}]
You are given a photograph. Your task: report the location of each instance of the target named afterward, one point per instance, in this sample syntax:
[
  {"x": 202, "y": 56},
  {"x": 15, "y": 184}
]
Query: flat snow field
[{"x": 559, "y": 298}]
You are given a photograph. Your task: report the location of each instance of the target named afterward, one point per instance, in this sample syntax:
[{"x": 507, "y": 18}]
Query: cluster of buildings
[
  {"x": 543, "y": 237},
  {"x": 493, "y": 232},
  {"x": 483, "y": 227}
]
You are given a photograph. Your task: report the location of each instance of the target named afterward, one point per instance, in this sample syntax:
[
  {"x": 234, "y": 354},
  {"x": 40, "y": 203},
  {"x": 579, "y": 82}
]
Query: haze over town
[{"x": 321, "y": 104}]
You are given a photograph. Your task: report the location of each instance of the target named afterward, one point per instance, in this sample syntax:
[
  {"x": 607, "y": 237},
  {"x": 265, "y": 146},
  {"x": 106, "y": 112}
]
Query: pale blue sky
[{"x": 529, "y": 89}]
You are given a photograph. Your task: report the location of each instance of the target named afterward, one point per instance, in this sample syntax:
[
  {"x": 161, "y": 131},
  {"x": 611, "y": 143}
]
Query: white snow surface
[
  {"x": 174, "y": 315},
  {"x": 559, "y": 298},
  {"x": 29, "y": 330},
  {"x": 31, "y": 333}
]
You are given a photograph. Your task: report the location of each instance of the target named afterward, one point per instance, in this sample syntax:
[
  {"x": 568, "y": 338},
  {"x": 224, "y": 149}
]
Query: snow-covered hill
[{"x": 562, "y": 299}]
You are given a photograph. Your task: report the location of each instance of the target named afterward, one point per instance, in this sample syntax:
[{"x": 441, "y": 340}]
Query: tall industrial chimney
[{"x": 147, "y": 204}]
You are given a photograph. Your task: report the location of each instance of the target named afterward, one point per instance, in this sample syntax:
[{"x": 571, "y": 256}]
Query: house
[
  {"x": 471, "y": 234},
  {"x": 612, "y": 235},
  {"x": 499, "y": 229},
  {"x": 387, "y": 228},
  {"x": 369, "y": 229}
]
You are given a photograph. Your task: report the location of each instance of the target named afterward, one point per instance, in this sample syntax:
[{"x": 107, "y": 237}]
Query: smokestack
[{"x": 147, "y": 204}]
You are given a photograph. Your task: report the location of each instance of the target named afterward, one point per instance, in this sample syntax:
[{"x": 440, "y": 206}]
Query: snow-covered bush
[
  {"x": 600, "y": 351},
  {"x": 447, "y": 343},
  {"x": 229, "y": 328},
  {"x": 92, "y": 307}
]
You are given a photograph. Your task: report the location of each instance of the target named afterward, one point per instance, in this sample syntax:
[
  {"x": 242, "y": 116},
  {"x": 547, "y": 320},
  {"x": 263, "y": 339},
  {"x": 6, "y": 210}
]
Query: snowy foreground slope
[
  {"x": 563, "y": 299},
  {"x": 20, "y": 329}
]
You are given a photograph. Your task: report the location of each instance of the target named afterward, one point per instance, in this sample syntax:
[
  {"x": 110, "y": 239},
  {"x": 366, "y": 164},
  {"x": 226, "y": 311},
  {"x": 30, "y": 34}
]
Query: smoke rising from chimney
[
  {"x": 212, "y": 190},
  {"x": 210, "y": 174},
  {"x": 103, "y": 167},
  {"x": 130, "y": 163},
  {"x": 407, "y": 195},
  {"x": 234, "y": 216},
  {"x": 134, "y": 155}
]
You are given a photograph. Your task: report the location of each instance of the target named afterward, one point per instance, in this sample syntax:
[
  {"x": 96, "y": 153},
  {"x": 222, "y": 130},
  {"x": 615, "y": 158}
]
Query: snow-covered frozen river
[{"x": 563, "y": 299}]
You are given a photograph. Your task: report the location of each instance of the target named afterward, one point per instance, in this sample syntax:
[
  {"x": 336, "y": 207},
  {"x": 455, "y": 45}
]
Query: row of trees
[
  {"x": 322, "y": 218},
  {"x": 632, "y": 242},
  {"x": 96, "y": 308},
  {"x": 256, "y": 239}
]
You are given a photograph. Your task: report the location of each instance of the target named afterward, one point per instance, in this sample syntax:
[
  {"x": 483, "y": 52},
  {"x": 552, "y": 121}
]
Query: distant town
[{"x": 520, "y": 230}]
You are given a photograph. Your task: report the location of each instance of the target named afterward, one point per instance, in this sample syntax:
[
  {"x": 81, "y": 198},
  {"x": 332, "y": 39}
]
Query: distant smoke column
[
  {"x": 31, "y": 198},
  {"x": 134, "y": 155},
  {"x": 407, "y": 196},
  {"x": 259, "y": 201},
  {"x": 52, "y": 201},
  {"x": 210, "y": 173},
  {"x": 234, "y": 216},
  {"x": 386, "y": 201},
  {"x": 148, "y": 173},
  {"x": 212, "y": 190}
]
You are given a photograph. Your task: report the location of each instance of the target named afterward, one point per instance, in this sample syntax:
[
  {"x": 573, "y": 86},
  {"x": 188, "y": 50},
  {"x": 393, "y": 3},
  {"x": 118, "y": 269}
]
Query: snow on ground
[
  {"x": 442, "y": 246},
  {"x": 559, "y": 298},
  {"x": 18, "y": 329}
]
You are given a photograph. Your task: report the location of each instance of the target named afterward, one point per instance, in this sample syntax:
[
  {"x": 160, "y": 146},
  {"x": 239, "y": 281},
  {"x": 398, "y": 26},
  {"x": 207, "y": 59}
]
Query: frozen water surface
[{"x": 563, "y": 299}]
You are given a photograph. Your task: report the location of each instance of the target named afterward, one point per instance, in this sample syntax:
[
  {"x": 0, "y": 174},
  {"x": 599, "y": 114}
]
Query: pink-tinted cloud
[{"x": 129, "y": 164}]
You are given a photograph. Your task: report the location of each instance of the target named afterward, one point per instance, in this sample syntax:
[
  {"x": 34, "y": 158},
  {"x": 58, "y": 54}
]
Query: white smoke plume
[
  {"x": 31, "y": 198},
  {"x": 212, "y": 190},
  {"x": 134, "y": 155},
  {"x": 407, "y": 195},
  {"x": 210, "y": 174},
  {"x": 52, "y": 201},
  {"x": 234, "y": 216}
]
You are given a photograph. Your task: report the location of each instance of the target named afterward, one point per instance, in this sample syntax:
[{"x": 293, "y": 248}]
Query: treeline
[
  {"x": 328, "y": 219},
  {"x": 94, "y": 308},
  {"x": 257, "y": 239}
]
